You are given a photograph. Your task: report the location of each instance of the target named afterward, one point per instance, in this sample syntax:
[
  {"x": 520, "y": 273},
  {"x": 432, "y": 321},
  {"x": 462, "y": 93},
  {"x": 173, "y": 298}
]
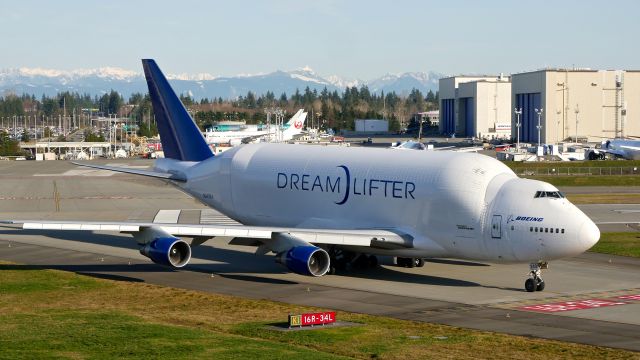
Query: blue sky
[{"x": 351, "y": 38}]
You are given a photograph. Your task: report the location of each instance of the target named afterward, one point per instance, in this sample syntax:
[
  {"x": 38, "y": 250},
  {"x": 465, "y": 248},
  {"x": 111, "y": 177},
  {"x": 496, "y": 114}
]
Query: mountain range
[{"x": 38, "y": 81}]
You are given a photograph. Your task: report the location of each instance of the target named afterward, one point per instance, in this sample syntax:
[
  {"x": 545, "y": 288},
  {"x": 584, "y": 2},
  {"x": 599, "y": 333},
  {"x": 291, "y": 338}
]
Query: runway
[{"x": 593, "y": 299}]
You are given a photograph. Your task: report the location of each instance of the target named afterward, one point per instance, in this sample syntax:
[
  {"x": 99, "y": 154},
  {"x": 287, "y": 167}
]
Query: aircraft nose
[{"x": 589, "y": 234}]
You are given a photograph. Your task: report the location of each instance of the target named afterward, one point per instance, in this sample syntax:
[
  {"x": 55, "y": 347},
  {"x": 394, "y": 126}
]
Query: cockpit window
[{"x": 549, "y": 194}]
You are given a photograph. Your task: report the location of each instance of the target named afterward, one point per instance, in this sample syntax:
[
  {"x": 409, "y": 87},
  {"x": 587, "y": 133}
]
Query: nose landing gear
[{"x": 535, "y": 281}]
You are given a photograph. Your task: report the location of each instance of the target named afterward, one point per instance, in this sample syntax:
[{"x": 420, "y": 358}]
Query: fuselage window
[
  {"x": 546, "y": 230},
  {"x": 536, "y": 229},
  {"x": 549, "y": 194},
  {"x": 531, "y": 229},
  {"x": 512, "y": 228},
  {"x": 557, "y": 230},
  {"x": 562, "y": 231}
]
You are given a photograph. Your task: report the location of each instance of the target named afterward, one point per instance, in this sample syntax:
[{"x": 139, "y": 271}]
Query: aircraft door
[{"x": 496, "y": 227}]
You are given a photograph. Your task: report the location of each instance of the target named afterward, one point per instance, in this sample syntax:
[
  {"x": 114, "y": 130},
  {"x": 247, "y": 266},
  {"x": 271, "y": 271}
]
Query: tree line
[{"x": 327, "y": 109}]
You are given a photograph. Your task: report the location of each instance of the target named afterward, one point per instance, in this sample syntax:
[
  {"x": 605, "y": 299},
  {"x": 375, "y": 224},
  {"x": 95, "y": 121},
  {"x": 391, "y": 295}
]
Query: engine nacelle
[
  {"x": 169, "y": 251},
  {"x": 305, "y": 260}
]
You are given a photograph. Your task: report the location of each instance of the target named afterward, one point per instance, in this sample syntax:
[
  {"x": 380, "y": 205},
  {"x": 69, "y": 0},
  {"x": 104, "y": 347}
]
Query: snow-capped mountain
[
  {"x": 403, "y": 83},
  {"x": 39, "y": 81}
]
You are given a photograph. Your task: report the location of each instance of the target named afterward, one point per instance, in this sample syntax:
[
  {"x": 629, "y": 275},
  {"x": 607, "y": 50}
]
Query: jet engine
[
  {"x": 169, "y": 251},
  {"x": 305, "y": 260}
]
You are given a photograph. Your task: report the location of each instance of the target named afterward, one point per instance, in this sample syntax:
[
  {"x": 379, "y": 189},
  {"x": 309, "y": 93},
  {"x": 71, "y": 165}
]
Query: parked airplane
[
  {"x": 622, "y": 148},
  {"x": 293, "y": 127},
  {"x": 317, "y": 207},
  {"x": 415, "y": 145}
]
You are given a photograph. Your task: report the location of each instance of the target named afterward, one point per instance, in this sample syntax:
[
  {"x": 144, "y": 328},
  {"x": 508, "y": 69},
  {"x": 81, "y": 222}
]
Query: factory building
[
  {"x": 372, "y": 125},
  {"x": 576, "y": 104},
  {"x": 475, "y": 106}
]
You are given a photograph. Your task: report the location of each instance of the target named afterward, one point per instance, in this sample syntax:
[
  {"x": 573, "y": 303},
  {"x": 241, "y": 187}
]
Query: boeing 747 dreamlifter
[{"x": 311, "y": 205}]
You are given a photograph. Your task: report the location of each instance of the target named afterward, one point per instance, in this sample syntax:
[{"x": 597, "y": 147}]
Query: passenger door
[{"x": 496, "y": 227}]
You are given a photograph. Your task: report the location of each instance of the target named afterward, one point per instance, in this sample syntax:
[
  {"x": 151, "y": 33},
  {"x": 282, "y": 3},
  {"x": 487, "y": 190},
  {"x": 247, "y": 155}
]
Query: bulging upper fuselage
[{"x": 459, "y": 205}]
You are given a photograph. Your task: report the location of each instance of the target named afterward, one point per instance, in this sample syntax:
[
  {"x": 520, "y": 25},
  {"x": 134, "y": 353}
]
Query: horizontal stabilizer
[{"x": 155, "y": 174}]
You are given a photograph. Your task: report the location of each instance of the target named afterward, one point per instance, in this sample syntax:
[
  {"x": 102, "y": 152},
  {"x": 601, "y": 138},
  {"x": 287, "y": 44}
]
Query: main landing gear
[
  {"x": 535, "y": 281},
  {"x": 410, "y": 262},
  {"x": 348, "y": 260}
]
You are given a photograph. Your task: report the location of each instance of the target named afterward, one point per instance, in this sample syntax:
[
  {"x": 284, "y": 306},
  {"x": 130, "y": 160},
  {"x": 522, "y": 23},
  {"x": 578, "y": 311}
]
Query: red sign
[
  {"x": 310, "y": 319},
  {"x": 630, "y": 297},
  {"x": 572, "y": 305}
]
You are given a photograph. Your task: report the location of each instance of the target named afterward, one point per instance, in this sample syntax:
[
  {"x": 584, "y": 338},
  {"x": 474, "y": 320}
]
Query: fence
[{"x": 581, "y": 171}]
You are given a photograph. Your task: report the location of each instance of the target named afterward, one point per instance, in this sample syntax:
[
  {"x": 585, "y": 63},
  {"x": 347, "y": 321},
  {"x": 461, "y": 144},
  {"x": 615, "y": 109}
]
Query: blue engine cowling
[
  {"x": 305, "y": 260},
  {"x": 169, "y": 251}
]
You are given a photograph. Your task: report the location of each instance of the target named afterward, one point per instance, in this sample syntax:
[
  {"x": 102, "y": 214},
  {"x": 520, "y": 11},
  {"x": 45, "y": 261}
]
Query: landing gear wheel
[
  {"x": 361, "y": 262},
  {"x": 373, "y": 261},
  {"x": 535, "y": 281},
  {"x": 530, "y": 285},
  {"x": 411, "y": 262},
  {"x": 419, "y": 262}
]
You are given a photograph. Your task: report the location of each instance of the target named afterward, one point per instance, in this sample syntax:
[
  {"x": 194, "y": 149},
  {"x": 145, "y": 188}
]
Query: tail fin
[
  {"x": 295, "y": 117},
  {"x": 180, "y": 136},
  {"x": 295, "y": 125}
]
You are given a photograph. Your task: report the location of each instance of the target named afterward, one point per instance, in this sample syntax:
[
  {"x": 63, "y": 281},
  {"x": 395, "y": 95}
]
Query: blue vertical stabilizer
[{"x": 180, "y": 136}]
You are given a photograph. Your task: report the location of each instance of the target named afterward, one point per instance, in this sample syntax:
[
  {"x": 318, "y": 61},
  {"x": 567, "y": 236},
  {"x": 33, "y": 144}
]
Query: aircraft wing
[
  {"x": 469, "y": 149},
  {"x": 376, "y": 238},
  {"x": 156, "y": 174}
]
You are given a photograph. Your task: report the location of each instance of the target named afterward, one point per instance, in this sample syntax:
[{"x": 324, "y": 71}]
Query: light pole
[
  {"x": 539, "y": 112},
  {"x": 577, "y": 111},
  {"x": 565, "y": 108},
  {"x": 518, "y": 112},
  {"x": 558, "y": 112}
]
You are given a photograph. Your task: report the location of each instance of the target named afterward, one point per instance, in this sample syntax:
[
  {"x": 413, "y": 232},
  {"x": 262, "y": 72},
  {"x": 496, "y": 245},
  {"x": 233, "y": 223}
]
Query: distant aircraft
[
  {"x": 293, "y": 127},
  {"x": 622, "y": 148},
  {"x": 415, "y": 145},
  {"x": 318, "y": 208}
]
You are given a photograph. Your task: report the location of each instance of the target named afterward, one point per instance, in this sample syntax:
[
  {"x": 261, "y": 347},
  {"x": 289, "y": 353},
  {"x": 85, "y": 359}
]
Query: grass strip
[
  {"x": 58, "y": 314},
  {"x": 618, "y": 243}
]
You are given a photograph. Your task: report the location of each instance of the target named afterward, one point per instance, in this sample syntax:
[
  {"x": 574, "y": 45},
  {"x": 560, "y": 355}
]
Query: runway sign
[{"x": 311, "y": 319}]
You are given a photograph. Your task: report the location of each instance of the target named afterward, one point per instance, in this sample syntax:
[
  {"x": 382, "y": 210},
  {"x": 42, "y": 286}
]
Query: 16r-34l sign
[{"x": 311, "y": 319}]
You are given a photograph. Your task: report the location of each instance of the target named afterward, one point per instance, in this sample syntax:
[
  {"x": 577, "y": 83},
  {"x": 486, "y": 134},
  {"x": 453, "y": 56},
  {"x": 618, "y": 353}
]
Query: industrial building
[
  {"x": 433, "y": 117},
  {"x": 559, "y": 104},
  {"x": 372, "y": 125},
  {"x": 475, "y": 106},
  {"x": 576, "y": 104}
]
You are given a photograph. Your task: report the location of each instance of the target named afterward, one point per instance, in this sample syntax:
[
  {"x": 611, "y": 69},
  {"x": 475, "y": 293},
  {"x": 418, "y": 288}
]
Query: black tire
[
  {"x": 373, "y": 261},
  {"x": 332, "y": 270},
  {"x": 361, "y": 262},
  {"x": 419, "y": 262},
  {"x": 530, "y": 285},
  {"x": 401, "y": 262},
  {"x": 411, "y": 262},
  {"x": 540, "y": 285}
]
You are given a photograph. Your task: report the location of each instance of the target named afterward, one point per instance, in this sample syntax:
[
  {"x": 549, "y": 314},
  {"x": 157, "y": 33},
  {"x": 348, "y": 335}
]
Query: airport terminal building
[{"x": 572, "y": 104}]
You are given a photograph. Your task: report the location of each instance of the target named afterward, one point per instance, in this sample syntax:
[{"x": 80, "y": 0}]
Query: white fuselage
[{"x": 459, "y": 205}]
